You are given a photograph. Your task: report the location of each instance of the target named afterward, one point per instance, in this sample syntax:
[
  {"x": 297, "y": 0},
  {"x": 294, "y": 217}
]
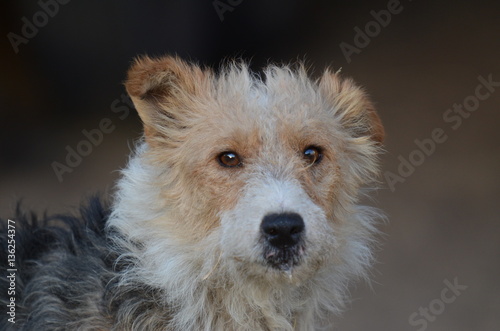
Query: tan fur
[{"x": 195, "y": 218}]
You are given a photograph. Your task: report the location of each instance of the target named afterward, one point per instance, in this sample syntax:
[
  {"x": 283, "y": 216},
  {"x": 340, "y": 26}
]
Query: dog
[{"x": 238, "y": 210}]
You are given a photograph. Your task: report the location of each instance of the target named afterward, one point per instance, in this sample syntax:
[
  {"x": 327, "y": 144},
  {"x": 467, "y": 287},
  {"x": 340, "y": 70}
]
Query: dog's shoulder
[
  {"x": 37, "y": 236},
  {"x": 57, "y": 261}
]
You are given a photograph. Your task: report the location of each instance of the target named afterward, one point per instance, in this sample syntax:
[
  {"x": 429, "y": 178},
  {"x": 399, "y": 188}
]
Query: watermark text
[
  {"x": 436, "y": 307},
  {"x": 11, "y": 270}
]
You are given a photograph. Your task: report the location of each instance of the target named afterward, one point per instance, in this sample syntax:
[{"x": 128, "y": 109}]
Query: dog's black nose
[{"x": 282, "y": 230}]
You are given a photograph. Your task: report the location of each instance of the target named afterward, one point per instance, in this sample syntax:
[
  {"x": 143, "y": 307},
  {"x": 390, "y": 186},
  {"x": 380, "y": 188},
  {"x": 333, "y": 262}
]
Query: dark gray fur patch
[{"x": 67, "y": 277}]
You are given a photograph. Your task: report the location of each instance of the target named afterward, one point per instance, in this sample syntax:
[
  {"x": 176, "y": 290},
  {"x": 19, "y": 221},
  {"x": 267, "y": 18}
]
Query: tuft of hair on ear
[
  {"x": 352, "y": 105},
  {"x": 163, "y": 90}
]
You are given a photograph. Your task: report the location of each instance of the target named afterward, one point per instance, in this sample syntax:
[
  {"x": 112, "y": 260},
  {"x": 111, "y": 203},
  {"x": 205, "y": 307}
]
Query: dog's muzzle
[{"x": 283, "y": 239}]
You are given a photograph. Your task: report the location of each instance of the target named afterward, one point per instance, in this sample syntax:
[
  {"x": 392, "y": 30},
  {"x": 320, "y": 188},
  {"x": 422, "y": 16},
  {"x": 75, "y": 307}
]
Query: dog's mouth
[{"x": 285, "y": 258}]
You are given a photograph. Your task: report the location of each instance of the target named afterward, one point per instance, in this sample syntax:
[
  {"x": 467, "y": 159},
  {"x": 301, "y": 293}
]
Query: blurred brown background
[{"x": 443, "y": 215}]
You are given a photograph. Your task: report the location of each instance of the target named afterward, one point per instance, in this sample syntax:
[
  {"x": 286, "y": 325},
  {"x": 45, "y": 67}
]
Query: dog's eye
[
  {"x": 229, "y": 159},
  {"x": 313, "y": 155}
]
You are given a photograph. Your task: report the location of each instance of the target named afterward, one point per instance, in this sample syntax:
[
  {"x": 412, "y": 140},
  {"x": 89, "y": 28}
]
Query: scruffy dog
[{"x": 239, "y": 210}]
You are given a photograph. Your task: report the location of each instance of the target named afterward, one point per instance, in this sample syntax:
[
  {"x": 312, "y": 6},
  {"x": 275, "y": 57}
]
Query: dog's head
[{"x": 265, "y": 172}]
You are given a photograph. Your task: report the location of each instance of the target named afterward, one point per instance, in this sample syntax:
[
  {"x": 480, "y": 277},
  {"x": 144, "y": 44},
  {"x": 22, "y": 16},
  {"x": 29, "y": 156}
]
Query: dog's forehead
[
  {"x": 268, "y": 121},
  {"x": 265, "y": 105},
  {"x": 278, "y": 113}
]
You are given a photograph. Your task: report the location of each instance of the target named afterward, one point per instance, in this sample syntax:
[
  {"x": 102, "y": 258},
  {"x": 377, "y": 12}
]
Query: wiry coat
[{"x": 183, "y": 247}]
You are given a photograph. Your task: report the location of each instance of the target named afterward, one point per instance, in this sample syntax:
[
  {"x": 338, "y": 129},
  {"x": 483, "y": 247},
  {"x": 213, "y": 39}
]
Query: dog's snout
[{"x": 282, "y": 230}]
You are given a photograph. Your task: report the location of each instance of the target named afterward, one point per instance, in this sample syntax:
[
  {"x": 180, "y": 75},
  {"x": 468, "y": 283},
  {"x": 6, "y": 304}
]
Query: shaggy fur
[{"x": 183, "y": 246}]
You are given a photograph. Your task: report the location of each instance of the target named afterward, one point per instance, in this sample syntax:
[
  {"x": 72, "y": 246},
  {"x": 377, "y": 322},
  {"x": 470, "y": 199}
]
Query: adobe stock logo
[
  {"x": 91, "y": 138},
  {"x": 427, "y": 146},
  {"x": 29, "y": 30},
  {"x": 372, "y": 29},
  {"x": 222, "y": 7},
  {"x": 436, "y": 307}
]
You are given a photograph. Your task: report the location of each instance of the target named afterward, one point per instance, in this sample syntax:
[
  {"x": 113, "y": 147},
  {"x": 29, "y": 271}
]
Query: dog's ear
[
  {"x": 163, "y": 91},
  {"x": 352, "y": 105}
]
